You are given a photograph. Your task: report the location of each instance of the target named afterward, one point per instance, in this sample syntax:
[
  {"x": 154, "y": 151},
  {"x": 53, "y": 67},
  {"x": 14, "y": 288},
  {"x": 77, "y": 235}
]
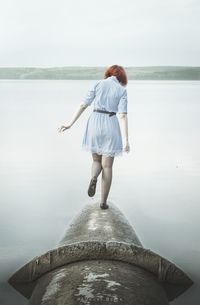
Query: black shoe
[
  {"x": 104, "y": 205},
  {"x": 92, "y": 186}
]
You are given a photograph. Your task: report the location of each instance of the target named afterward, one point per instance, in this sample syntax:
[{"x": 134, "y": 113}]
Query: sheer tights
[{"x": 103, "y": 164}]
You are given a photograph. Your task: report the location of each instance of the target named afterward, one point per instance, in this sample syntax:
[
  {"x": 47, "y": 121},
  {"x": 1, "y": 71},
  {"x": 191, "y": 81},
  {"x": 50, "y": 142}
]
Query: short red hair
[{"x": 119, "y": 72}]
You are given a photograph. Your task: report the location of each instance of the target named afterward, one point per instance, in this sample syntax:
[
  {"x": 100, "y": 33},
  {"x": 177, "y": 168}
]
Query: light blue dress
[{"x": 102, "y": 133}]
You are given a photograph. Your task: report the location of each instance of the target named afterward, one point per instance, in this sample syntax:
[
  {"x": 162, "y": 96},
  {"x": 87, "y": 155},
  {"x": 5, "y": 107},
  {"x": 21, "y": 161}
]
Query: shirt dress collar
[{"x": 115, "y": 78}]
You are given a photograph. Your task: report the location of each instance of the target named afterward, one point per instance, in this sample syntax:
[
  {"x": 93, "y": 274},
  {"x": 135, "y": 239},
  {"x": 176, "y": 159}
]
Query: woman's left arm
[{"x": 75, "y": 117}]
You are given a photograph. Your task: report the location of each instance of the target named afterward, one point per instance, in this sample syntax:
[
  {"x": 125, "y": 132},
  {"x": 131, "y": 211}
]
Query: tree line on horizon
[{"x": 86, "y": 73}]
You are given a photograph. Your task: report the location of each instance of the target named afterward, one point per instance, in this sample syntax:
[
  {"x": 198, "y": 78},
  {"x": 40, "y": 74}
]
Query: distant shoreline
[{"x": 89, "y": 73}]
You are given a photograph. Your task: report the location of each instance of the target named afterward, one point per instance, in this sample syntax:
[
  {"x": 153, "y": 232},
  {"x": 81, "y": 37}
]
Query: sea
[{"x": 44, "y": 174}]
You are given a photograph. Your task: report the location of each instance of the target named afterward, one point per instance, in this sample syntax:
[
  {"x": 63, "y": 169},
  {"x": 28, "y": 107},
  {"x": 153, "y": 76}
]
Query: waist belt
[{"x": 104, "y": 111}]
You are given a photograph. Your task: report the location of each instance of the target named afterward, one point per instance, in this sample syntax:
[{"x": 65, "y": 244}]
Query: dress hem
[{"x": 101, "y": 152}]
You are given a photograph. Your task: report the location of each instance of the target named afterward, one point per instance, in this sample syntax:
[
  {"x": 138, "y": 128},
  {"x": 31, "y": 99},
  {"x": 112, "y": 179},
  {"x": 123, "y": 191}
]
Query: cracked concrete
[{"x": 100, "y": 260}]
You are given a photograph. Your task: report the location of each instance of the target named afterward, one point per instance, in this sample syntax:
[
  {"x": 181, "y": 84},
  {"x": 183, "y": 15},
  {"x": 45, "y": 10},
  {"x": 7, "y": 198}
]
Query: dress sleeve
[
  {"x": 90, "y": 95},
  {"x": 122, "y": 106}
]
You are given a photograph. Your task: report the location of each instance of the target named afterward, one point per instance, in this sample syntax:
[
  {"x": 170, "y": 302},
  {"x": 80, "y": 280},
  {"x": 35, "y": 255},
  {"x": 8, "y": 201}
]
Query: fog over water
[{"x": 44, "y": 174}]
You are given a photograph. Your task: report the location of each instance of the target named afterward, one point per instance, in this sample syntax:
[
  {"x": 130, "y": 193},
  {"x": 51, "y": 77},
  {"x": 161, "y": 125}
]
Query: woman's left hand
[
  {"x": 63, "y": 128},
  {"x": 127, "y": 147}
]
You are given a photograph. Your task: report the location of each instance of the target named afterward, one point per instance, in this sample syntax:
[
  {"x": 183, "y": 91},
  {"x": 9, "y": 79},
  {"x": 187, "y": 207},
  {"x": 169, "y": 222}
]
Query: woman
[{"x": 102, "y": 135}]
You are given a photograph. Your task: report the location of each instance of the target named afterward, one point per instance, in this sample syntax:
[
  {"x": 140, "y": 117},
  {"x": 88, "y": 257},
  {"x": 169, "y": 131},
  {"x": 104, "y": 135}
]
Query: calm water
[{"x": 44, "y": 174}]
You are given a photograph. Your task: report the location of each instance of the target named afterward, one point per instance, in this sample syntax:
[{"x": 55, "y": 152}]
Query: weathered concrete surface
[
  {"x": 93, "y": 223},
  {"x": 98, "y": 282},
  {"x": 97, "y": 238}
]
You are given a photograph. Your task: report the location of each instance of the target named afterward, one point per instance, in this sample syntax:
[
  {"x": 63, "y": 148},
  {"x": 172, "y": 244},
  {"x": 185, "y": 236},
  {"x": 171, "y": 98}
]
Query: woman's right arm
[
  {"x": 124, "y": 127},
  {"x": 75, "y": 117},
  {"x": 86, "y": 102}
]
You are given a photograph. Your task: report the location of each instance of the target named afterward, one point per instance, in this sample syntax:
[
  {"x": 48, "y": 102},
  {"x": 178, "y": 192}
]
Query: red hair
[{"x": 119, "y": 72}]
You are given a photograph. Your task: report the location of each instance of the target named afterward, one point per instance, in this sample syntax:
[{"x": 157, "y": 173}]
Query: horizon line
[{"x": 83, "y": 66}]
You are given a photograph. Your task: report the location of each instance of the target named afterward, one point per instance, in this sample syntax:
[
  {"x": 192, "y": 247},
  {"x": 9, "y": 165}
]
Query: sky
[{"x": 45, "y": 33}]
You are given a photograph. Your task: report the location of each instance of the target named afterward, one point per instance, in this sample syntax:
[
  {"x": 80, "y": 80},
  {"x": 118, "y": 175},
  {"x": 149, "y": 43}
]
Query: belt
[{"x": 105, "y": 111}]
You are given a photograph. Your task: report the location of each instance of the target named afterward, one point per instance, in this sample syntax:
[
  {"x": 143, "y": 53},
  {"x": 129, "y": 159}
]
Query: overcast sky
[{"x": 99, "y": 33}]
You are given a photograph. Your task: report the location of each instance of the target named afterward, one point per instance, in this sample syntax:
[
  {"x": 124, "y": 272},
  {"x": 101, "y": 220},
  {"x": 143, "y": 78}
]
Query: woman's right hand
[{"x": 63, "y": 128}]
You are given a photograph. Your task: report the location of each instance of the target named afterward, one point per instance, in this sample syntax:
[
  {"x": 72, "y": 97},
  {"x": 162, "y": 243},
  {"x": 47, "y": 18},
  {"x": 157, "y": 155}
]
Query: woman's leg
[
  {"x": 107, "y": 163},
  {"x": 96, "y": 169},
  {"x": 96, "y": 165}
]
